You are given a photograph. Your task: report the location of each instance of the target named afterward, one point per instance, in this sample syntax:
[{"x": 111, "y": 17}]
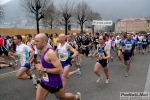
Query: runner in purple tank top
[{"x": 51, "y": 68}]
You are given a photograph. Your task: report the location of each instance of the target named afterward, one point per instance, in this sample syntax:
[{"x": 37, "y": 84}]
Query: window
[
  {"x": 122, "y": 24},
  {"x": 122, "y": 29}
]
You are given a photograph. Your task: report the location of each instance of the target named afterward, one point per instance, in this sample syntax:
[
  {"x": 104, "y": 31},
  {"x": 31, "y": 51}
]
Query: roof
[
  {"x": 147, "y": 18},
  {"x": 132, "y": 19}
]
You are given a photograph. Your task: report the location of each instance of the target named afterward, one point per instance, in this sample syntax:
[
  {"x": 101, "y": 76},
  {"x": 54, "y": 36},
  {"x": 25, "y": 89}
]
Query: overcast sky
[
  {"x": 4, "y": 1},
  {"x": 117, "y": 9}
]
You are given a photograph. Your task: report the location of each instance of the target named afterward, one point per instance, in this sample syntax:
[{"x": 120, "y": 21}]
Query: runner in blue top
[
  {"x": 120, "y": 49},
  {"x": 128, "y": 47},
  {"x": 144, "y": 43},
  {"x": 103, "y": 51},
  {"x": 148, "y": 43},
  {"x": 135, "y": 42},
  {"x": 73, "y": 43}
]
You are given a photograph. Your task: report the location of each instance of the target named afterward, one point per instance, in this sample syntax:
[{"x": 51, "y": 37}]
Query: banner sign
[{"x": 102, "y": 22}]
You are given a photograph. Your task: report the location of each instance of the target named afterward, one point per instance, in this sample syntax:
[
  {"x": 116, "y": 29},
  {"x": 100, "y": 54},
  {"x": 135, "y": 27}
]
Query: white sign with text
[{"x": 102, "y": 22}]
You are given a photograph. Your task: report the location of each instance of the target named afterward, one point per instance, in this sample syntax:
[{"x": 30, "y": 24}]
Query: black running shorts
[
  {"x": 127, "y": 56},
  {"x": 3, "y": 50},
  {"x": 51, "y": 89}
]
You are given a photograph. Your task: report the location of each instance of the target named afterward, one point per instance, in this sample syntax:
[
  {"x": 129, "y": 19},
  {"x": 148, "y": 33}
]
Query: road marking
[
  {"x": 8, "y": 74},
  {"x": 147, "y": 84}
]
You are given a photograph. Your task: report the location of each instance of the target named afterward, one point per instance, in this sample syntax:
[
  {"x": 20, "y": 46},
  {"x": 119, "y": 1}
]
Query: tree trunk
[
  {"x": 66, "y": 27},
  {"x": 81, "y": 28},
  {"x": 93, "y": 29},
  {"x": 51, "y": 25},
  {"x": 37, "y": 24}
]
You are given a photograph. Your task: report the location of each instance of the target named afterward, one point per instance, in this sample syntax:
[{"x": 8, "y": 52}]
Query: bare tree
[
  {"x": 1, "y": 11},
  {"x": 81, "y": 13},
  {"x": 37, "y": 8},
  {"x": 66, "y": 14},
  {"x": 51, "y": 16},
  {"x": 94, "y": 16}
]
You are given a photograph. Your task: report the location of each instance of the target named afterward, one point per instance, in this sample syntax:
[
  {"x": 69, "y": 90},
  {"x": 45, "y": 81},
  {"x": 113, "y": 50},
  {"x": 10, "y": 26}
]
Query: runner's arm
[
  {"x": 76, "y": 46},
  {"x": 70, "y": 48},
  {"x": 122, "y": 46},
  {"x": 14, "y": 54},
  {"x": 28, "y": 49},
  {"x": 31, "y": 55},
  {"x": 94, "y": 54},
  {"x": 108, "y": 53}
]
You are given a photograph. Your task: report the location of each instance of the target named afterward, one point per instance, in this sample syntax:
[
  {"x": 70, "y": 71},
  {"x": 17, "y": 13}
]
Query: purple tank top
[{"x": 51, "y": 80}]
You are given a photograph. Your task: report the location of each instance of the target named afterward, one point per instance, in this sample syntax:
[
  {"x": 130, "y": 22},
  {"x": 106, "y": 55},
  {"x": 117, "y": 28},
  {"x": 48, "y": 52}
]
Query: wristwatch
[{"x": 45, "y": 69}]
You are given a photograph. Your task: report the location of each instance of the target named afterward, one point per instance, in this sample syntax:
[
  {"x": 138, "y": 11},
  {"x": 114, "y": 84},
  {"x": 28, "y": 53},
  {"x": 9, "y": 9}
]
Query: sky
[
  {"x": 4, "y": 1},
  {"x": 117, "y": 9},
  {"x": 113, "y": 9}
]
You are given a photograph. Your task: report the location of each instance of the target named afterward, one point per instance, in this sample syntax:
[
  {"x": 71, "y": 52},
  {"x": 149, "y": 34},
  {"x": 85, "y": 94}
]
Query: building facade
[
  {"x": 148, "y": 24},
  {"x": 132, "y": 25}
]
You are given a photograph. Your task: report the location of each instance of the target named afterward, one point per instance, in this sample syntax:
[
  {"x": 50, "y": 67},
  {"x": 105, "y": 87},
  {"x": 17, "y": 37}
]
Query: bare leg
[
  {"x": 128, "y": 66},
  {"x": 81, "y": 58},
  {"x": 64, "y": 76},
  {"x": 20, "y": 74},
  {"x": 96, "y": 69},
  {"x": 41, "y": 93},
  {"x": 106, "y": 72},
  {"x": 65, "y": 96}
]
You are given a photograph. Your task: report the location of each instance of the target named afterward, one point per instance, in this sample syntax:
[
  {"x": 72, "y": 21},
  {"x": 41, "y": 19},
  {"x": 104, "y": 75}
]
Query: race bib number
[
  {"x": 20, "y": 57},
  {"x": 84, "y": 48},
  {"x": 128, "y": 46},
  {"x": 118, "y": 44},
  {"x": 45, "y": 77},
  {"x": 145, "y": 43},
  {"x": 101, "y": 55},
  {"x": 96, "y": 40},
  {"x": 62, "y": 56}
]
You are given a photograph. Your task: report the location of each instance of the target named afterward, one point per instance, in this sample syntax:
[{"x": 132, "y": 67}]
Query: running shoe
[
  {"x": 97, "y": 55},
  {"x": 79, "y": 71},
  {"x": 111, "y": 59},
  {"x": 16, "y": 62},
  {"x": 79, "y": 65},
  {"x": 36, "y": 86},
  {"x": 78, "y": 96},
  {"x": 98, "y": 80},
  {"x": 34, "y": 79},
  {"x": 13, "y": 65},
  {"x": 107, "y": 81},
  {"x": 126, "y": 74},
  {"x": 90, "y": 55},
  {"x": 32, "y": 67},
  {"x": 121, "y": 63}
]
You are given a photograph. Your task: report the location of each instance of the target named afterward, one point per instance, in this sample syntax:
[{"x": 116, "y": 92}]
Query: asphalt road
[{"x": 14, "y": 89}]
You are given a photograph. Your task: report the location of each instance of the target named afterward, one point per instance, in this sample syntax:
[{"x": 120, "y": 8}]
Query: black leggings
[{"x": 144, "y": 47}]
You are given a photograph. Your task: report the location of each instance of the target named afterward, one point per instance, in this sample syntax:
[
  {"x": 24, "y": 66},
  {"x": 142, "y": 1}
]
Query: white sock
[{"x": 76, "y": 97}]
